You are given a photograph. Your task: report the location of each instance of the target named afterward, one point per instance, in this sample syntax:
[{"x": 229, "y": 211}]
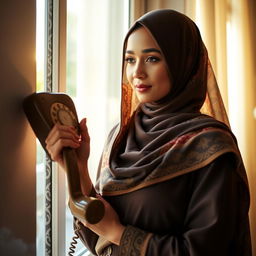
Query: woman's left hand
[{"x": 110, "y": 226}]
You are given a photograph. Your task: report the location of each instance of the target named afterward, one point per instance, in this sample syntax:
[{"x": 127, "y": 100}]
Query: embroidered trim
[
  {"x": 179, "y": 159},
  {"x": 134, "y": 241}
]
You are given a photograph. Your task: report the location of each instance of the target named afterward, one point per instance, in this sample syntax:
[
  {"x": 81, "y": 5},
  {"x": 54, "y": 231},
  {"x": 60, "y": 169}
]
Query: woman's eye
[
  {"x": 152, "y": 59},
  {"x": 130, "y": 60}
]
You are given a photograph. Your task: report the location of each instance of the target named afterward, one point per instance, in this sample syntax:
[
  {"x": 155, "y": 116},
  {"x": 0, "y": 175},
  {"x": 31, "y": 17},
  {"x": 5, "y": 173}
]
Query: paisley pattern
[
  {"x": 181, "y": 155},
  {"x": 48, "y": 207},
  {"x": 133, "y": 242},
  {"x": 48, "y": 168}
]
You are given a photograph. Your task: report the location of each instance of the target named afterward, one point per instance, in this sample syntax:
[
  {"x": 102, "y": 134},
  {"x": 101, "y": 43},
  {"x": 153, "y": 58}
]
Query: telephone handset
[{"x": 43, "y": 110}]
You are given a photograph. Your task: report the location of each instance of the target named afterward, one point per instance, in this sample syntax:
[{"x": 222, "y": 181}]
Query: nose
[{"x": 139, "y": 70}]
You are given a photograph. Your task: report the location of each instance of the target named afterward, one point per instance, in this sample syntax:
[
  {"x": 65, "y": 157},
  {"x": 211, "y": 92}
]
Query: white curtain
[{"x": 227, "y": 30}]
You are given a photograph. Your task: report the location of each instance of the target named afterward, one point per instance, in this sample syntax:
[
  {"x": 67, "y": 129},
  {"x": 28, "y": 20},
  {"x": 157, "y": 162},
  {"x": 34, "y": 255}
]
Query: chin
[{"x": 145, "y": 100}]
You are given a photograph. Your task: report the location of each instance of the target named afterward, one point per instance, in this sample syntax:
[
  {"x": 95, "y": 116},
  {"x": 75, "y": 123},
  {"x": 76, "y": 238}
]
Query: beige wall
[{"x": 17, "y": 146}]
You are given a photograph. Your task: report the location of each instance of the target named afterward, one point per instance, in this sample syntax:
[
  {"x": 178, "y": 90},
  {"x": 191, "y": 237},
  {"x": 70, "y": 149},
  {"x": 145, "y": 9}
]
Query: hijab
[{"x": 184, "y": 131}]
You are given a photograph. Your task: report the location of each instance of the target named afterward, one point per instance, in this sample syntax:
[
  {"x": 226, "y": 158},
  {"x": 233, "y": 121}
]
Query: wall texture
[{"x": 17, "y": 146}]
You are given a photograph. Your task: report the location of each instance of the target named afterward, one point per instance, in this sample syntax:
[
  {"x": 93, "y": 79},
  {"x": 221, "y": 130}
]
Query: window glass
[{"x": 95, "y": 33}]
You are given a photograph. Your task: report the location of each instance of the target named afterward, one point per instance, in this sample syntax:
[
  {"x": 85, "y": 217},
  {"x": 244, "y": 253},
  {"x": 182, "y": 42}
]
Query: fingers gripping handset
[{"x": 43, "y": 111}]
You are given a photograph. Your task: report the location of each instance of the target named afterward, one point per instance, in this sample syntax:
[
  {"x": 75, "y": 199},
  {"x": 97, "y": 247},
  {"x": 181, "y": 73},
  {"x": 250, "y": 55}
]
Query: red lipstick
[{"x": 142, "y": 87}]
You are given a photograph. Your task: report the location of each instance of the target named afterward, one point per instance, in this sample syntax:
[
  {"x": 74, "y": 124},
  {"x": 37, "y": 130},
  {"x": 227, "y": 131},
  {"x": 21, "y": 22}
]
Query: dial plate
[{"x": 60, "y": 113}]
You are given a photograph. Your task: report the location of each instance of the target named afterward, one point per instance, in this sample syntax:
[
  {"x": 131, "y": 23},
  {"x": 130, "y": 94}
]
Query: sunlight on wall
[{"x": 40, "y": 35}]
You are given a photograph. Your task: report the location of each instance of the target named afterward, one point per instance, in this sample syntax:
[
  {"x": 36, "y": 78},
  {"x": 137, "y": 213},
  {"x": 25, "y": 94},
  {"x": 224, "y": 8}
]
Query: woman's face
[{"x": 145, "y": 67}]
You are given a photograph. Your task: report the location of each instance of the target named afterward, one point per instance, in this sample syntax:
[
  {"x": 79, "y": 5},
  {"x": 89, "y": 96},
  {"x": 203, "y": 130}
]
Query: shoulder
[
  {"x": 211, "y": 121},
  {"x": 216, "y": 132}
]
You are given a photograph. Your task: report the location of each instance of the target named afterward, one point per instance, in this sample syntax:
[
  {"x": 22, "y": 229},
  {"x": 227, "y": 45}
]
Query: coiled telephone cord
[{"x": 74, "y": 242}]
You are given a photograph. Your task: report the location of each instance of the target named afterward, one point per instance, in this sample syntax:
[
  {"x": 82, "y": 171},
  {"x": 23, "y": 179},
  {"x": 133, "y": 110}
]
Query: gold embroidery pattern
[
  {"x": 132, "y": 241},
  {"x": 176, "y": 158}
]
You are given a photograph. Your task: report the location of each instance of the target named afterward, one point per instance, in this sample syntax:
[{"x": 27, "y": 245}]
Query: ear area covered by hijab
[
  {"x": 194, "y": 86},
  {"x": 141, "y": 150}
]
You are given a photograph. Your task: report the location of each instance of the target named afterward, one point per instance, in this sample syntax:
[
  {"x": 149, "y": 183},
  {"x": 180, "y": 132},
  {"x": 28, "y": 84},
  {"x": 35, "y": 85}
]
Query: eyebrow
[{"x": 145, "y": 51}]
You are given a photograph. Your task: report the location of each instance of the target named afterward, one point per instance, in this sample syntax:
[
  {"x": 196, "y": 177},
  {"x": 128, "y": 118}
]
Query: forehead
[{"x": 141, "y": 39}]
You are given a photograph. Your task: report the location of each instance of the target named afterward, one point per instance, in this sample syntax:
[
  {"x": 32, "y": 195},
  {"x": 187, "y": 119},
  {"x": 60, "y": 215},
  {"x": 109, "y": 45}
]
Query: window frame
[{"x": 55, "y": 81}]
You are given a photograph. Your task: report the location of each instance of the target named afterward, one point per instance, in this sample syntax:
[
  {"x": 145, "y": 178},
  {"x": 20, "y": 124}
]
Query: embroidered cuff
[{"x": 134, "y": 241}]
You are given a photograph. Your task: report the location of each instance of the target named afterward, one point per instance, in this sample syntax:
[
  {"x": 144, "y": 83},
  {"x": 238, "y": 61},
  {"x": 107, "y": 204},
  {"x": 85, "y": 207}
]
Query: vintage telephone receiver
[{"x": 43, "y": 110}]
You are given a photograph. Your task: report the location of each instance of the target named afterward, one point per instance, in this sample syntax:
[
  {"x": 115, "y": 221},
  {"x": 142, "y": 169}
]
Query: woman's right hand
[
  {"x": 66, "y": 136},
  {"x": 62, "y": 136}
]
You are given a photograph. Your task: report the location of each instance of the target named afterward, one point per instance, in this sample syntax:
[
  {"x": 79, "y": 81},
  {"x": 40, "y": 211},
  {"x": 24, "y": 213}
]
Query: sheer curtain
[{"x": 228, "y": 30}]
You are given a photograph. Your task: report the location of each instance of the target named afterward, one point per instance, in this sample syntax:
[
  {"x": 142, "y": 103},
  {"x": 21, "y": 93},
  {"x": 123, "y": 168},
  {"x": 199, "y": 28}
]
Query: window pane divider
[{"x": 55, "y": 81}]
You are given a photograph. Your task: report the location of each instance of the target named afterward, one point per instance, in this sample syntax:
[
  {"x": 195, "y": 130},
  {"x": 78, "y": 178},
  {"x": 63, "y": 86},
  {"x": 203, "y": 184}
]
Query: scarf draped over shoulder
[{"x": 184, "y": 131}]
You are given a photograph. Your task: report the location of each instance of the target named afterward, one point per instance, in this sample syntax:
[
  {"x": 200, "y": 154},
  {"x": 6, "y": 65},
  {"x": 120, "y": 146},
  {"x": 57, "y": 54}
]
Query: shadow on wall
[
  {"x": 14, "y": 88},
  {"x": 17, "y": 174}
]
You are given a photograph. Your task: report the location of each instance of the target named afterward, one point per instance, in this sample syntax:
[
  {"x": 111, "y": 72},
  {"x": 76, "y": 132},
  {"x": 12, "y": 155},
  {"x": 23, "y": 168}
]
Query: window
[{"x": 95, "y": 33}]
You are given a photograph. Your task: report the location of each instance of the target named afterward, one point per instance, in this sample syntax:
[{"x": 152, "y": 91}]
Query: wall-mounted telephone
[{"x": 43, "y": 110}]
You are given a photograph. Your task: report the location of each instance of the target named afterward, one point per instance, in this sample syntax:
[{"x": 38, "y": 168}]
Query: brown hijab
[{"x": 161, "y": 140}]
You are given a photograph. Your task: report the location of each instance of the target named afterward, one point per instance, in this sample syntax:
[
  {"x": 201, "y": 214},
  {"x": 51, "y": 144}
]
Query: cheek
[
  {"x": 162, "y": 75},
  {"x": 163, "y": 80}
]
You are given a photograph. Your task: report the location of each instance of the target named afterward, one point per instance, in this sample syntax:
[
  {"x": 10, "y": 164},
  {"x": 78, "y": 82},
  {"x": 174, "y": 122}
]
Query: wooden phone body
[{"x": 43, "y": 110}]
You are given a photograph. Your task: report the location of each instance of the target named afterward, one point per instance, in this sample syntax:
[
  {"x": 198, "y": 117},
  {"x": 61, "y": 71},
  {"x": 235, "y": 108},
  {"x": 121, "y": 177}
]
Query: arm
[
  {"x": 211, "y": 222},
  {"x": 64, "y": 136}
]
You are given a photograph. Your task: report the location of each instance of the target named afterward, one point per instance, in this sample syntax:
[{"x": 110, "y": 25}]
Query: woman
[{"x": 171, "y": 178}]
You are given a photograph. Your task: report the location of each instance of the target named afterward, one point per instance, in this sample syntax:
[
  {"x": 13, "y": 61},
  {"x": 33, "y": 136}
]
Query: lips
[{"x": 142, "y": 87}]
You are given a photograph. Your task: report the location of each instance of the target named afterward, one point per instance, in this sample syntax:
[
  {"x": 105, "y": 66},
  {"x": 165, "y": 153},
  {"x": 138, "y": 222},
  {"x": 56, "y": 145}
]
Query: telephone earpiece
[{"x": 43, "y": 110}]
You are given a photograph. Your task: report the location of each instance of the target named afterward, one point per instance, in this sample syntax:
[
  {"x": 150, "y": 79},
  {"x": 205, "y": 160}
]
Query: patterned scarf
[{"x": 184, "y": 131}]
